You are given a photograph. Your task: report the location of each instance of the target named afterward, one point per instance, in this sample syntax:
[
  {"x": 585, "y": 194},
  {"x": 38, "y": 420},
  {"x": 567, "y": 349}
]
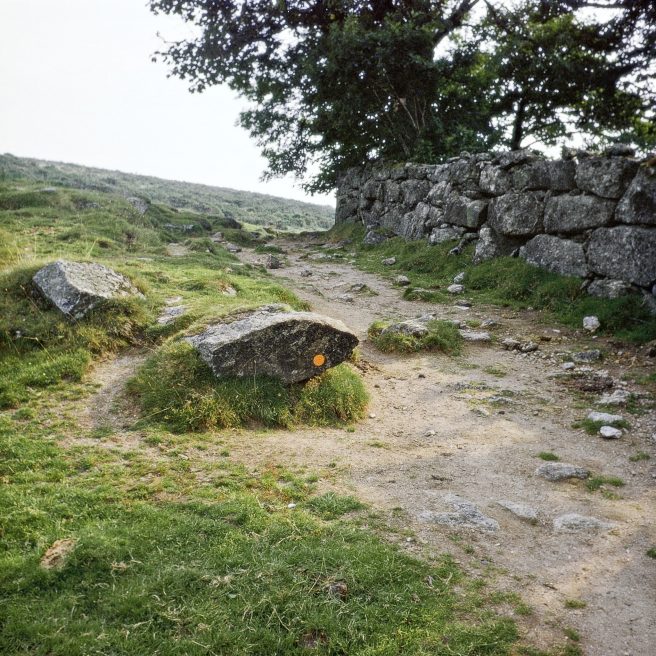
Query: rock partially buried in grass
[
  {"x": 291, "y": 346},
  {"x": 76, "y": 288},
  {"x": 55, "y": 557}
]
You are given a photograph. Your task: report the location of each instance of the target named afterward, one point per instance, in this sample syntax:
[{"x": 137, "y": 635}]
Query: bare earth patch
[{"x": 55, "y": 557}]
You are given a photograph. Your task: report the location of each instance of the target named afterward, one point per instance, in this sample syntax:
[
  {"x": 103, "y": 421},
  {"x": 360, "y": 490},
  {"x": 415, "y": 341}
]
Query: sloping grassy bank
[{"x": 509, "y": 282}]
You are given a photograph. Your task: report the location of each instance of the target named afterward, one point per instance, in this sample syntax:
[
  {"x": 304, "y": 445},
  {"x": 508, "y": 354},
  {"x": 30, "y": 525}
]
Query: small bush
[
  {"x": 441, "y": 336},
  {"x": 548, "y": 456},
  {"x": 176, "y": 387}
]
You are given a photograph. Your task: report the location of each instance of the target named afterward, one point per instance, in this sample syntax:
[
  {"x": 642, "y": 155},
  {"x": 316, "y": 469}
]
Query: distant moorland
[{"x": 258, "y": 209}]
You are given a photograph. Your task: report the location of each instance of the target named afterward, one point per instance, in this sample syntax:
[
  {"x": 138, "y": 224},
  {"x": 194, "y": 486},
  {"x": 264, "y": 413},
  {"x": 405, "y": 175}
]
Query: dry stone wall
[{"x": 591, "y": 216}]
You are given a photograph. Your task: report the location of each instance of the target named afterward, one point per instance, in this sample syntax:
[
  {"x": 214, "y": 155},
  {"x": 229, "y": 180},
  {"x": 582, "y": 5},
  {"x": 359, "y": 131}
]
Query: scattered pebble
[
  {"x": 568, "y": 366},
  {"x": 587, "y": 356}
]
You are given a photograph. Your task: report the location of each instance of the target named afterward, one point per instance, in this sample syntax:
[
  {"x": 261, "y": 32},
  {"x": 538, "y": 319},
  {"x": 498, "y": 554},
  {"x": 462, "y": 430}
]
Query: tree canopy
[{"x": 337, "y": 83}]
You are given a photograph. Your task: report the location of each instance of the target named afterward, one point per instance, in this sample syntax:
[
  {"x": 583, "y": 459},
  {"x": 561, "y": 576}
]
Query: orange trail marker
[{"x": 319, "y": 360}]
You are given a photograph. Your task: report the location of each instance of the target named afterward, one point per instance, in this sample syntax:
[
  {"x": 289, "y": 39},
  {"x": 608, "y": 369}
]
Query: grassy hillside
[{"x": 257, "y": 209}]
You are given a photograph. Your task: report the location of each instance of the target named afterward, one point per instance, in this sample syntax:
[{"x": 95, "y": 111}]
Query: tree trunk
[{"x": 518, "y": 125}]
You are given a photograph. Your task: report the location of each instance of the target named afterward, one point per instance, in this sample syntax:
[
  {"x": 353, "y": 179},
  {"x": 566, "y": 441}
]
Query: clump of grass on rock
[
  {"x": 441, "y": 336},
  {"x": 177, "y": 388}
]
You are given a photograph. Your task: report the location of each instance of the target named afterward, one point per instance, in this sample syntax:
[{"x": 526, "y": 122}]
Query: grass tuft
[
  {"x": 548, "y": 456},
  {"x": 177, "y": 388},
  {"x": 592, "y": 427},
  {"x": 331, "y": 506},
  {"x": 441, "y": 336}
]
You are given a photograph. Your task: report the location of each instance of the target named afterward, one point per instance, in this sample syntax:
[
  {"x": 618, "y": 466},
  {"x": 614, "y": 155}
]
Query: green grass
[
  {"x": 595, "y": 483},
  {"x": 332, "y": 506},
  {"x": 441, "y": 336},
  {"x": 508, "y": 282},
  {"x": 651, "y": 552},
  {"x": 638, "y": 457},
  {"x": 592, "y": 427},
  {"x": 548, "y": 456},
  {"x": 177, "y": 388}
]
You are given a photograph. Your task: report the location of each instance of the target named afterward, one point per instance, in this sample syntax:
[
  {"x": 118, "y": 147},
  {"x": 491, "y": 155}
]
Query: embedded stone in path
[
  {"x": 520, "y": 510},
  {"x": 576, "y": 522},
  {"x": 292, "y": 346},
  {"x": 76, "y": 288},
  {"x": 606, "y": 417},
  {"x": 560, "y": 471},
  {"x": 465, "y": 514}
]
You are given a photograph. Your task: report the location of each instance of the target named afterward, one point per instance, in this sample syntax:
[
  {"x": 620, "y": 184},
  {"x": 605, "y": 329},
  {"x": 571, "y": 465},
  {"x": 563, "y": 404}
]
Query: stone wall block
[
  {"x": 413, "y": 191},
  {"x": 567, "y": 214},
  {"x": 494, "y": 180},
  {"x": 517, "y": 214},
  {"x": 638, "y": 205},
  {"x": 624, "y": 253},
  {"x": 607, "y": 177},
  {"x": 491, "y": 244},
  {"x": 562, "y": 256},
  {"x": 545, "y": 174}
]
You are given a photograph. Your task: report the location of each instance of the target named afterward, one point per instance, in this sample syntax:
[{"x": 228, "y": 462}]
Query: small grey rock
[
  {"x": 273, "y": 262},
  {"x": 466, "y": 514},
  {"x": 560, "y": 471},
  {"x": 568, "y": 366},
  {"x": 455, "y": 289},
  {"x": 576, "y": 522},
  {"x": 389, "y": 261},
  {"x": 605, "y": 417},
  {"x": 471, "y": 336},
  {"x": 521, "y": 510},
  {"x": 402, "y": 281},
  {"x": 587, "y": 356},
  {"x": 306, "y": 273},
  {"x": 591, "y": 324},
  {"x": 459, "y": 279},
  {"x": 528, "y": 347},
  {"x": 618, "y": 397},
  {"x": 346, "y": 298},
  {"x": 610, "y": 433},
  {"x": 232, "y": 248}
]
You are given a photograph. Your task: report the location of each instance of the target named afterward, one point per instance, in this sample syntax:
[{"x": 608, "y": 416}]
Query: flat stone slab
[
  {"x": 560, "y": 471},
  {"x": 466, "y": 514},
  {"x": 520, "y": 510},
  {"x": 605, "y": 417},
  {"x": 76, "y": 288},
  {"x": 292, "y": 346},
  {"x": 610, "y": 432},
  {"x": 575, "y": 522}
]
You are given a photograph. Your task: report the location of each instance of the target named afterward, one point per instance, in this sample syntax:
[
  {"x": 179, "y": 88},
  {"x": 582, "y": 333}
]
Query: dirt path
[{"x": 446, "y": 431}]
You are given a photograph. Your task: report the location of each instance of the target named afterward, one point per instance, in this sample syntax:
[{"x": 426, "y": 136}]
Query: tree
[
  {"x": 339, "y": 83},
  {"x": 559, "y": 71}
]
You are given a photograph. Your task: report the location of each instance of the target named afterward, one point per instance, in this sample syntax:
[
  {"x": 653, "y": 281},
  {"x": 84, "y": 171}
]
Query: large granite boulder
[
  {"x": 638, "y": 205},
  {"x": 561, "y": 256},
  {"x": 517, "y": 214},
  {"x": 604, "y": 176},
  {"x": 576, "y": 213},
  {"x": 624, "y": 253},
  {"x": 76, "y": 288},
  {"x": 291, "y": 346}
]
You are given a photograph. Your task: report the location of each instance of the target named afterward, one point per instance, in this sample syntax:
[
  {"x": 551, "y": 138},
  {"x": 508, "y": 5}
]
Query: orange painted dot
[{"x": 319, "y": 360}]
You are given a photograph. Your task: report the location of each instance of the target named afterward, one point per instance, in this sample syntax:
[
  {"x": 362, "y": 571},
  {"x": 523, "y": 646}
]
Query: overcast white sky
[{"x": 77, "y": 85}]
